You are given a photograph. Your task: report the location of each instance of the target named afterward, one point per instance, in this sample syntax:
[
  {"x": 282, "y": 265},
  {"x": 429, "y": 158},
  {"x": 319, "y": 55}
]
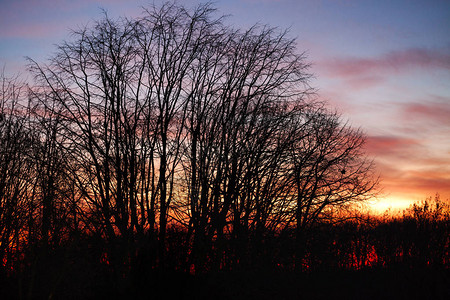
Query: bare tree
[
  {"x": 329, "y": 171},
  {"x": 91, "y": 82},
  {"x": 247, "y": 85},
  {"x": 175, "y": 118},
  {"x": 16, "y": 172}
]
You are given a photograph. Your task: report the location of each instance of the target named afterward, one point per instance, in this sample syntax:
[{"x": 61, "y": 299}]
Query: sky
[{"x": 383, "y": 65}]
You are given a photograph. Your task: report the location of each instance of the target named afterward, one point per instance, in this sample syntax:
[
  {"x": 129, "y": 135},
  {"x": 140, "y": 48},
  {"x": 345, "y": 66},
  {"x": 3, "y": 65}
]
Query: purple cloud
[
  {"x": 32, "y": 18},
  {"x": 396, "y": 61}
]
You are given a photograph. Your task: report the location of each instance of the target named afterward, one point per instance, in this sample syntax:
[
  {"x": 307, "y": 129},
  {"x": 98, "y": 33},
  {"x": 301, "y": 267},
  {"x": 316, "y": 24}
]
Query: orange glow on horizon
[
  {"x": 396, "y": 204},
  {"x": 390, "y": 204}
]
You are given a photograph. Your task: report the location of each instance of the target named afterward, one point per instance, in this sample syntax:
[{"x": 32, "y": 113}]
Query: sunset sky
[{"x": 384, "y": 65}]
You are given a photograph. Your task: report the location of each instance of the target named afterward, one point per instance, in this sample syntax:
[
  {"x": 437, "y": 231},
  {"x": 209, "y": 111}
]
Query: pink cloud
[
  {"x": 416, "y": 181},
  {"x": 390, "y": 145},
  {"x": 44, "y": 18},
  {"x": 435, "y": 111},
  {"x": 395, "y": 61},
  {"x": 419, "y": 183},
  {"x": 364, "y": 81},
  {"x": 408, "y": 169}
]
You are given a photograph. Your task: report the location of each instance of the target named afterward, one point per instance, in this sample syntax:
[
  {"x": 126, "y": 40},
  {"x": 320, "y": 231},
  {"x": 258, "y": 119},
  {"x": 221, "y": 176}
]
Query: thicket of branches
[{"x": 173, "y": 141}]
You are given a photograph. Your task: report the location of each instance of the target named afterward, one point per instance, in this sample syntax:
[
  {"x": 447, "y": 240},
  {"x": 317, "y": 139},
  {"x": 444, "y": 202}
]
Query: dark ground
[
  {"x": 393, "y": 283},
  {"x": 366, "y": 284}
]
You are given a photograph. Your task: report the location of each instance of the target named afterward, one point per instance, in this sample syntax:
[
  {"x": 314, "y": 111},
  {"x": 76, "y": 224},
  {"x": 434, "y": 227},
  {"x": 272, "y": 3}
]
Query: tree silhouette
[
  {"x": 329, "y": 172},
  {"x": 173, "y": 144},
  {"x": 15, "y": 166},
  {"x": 176, "y": 116}
]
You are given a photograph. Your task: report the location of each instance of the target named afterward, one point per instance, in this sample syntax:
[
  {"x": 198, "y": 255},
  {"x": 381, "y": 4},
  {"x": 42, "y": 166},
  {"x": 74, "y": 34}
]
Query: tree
[
  {"x": 174, "y": 118},
  {"x": 329, "y": 172},
  {"x": 16, "y": 180}
]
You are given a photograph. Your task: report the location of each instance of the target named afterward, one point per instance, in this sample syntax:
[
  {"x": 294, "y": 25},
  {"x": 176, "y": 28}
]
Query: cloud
[
  {"x": 391, "y": 145},
  {"x": 45, "y": 18},
  {"x": 417, "y": 182},
  {"x": 414, "y": 182},
  {"x": 395, "y": 61},
  {"x": 408, "y": 169},
  {"x": 436, "y": 110},
  {"x": 362, "y": 82}
]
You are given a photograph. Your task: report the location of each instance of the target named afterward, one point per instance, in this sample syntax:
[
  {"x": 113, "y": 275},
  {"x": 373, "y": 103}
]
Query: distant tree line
[
  {"x": 173, "y": 142},
  {"x": 419, "y": 237}
]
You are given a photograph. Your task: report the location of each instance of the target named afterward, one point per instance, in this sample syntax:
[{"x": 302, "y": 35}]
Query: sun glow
[{"x": 390, "y": 204}]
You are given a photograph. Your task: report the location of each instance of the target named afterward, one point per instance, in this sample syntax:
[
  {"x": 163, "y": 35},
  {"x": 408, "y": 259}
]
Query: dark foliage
[{"x": 370, "y": 258}]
